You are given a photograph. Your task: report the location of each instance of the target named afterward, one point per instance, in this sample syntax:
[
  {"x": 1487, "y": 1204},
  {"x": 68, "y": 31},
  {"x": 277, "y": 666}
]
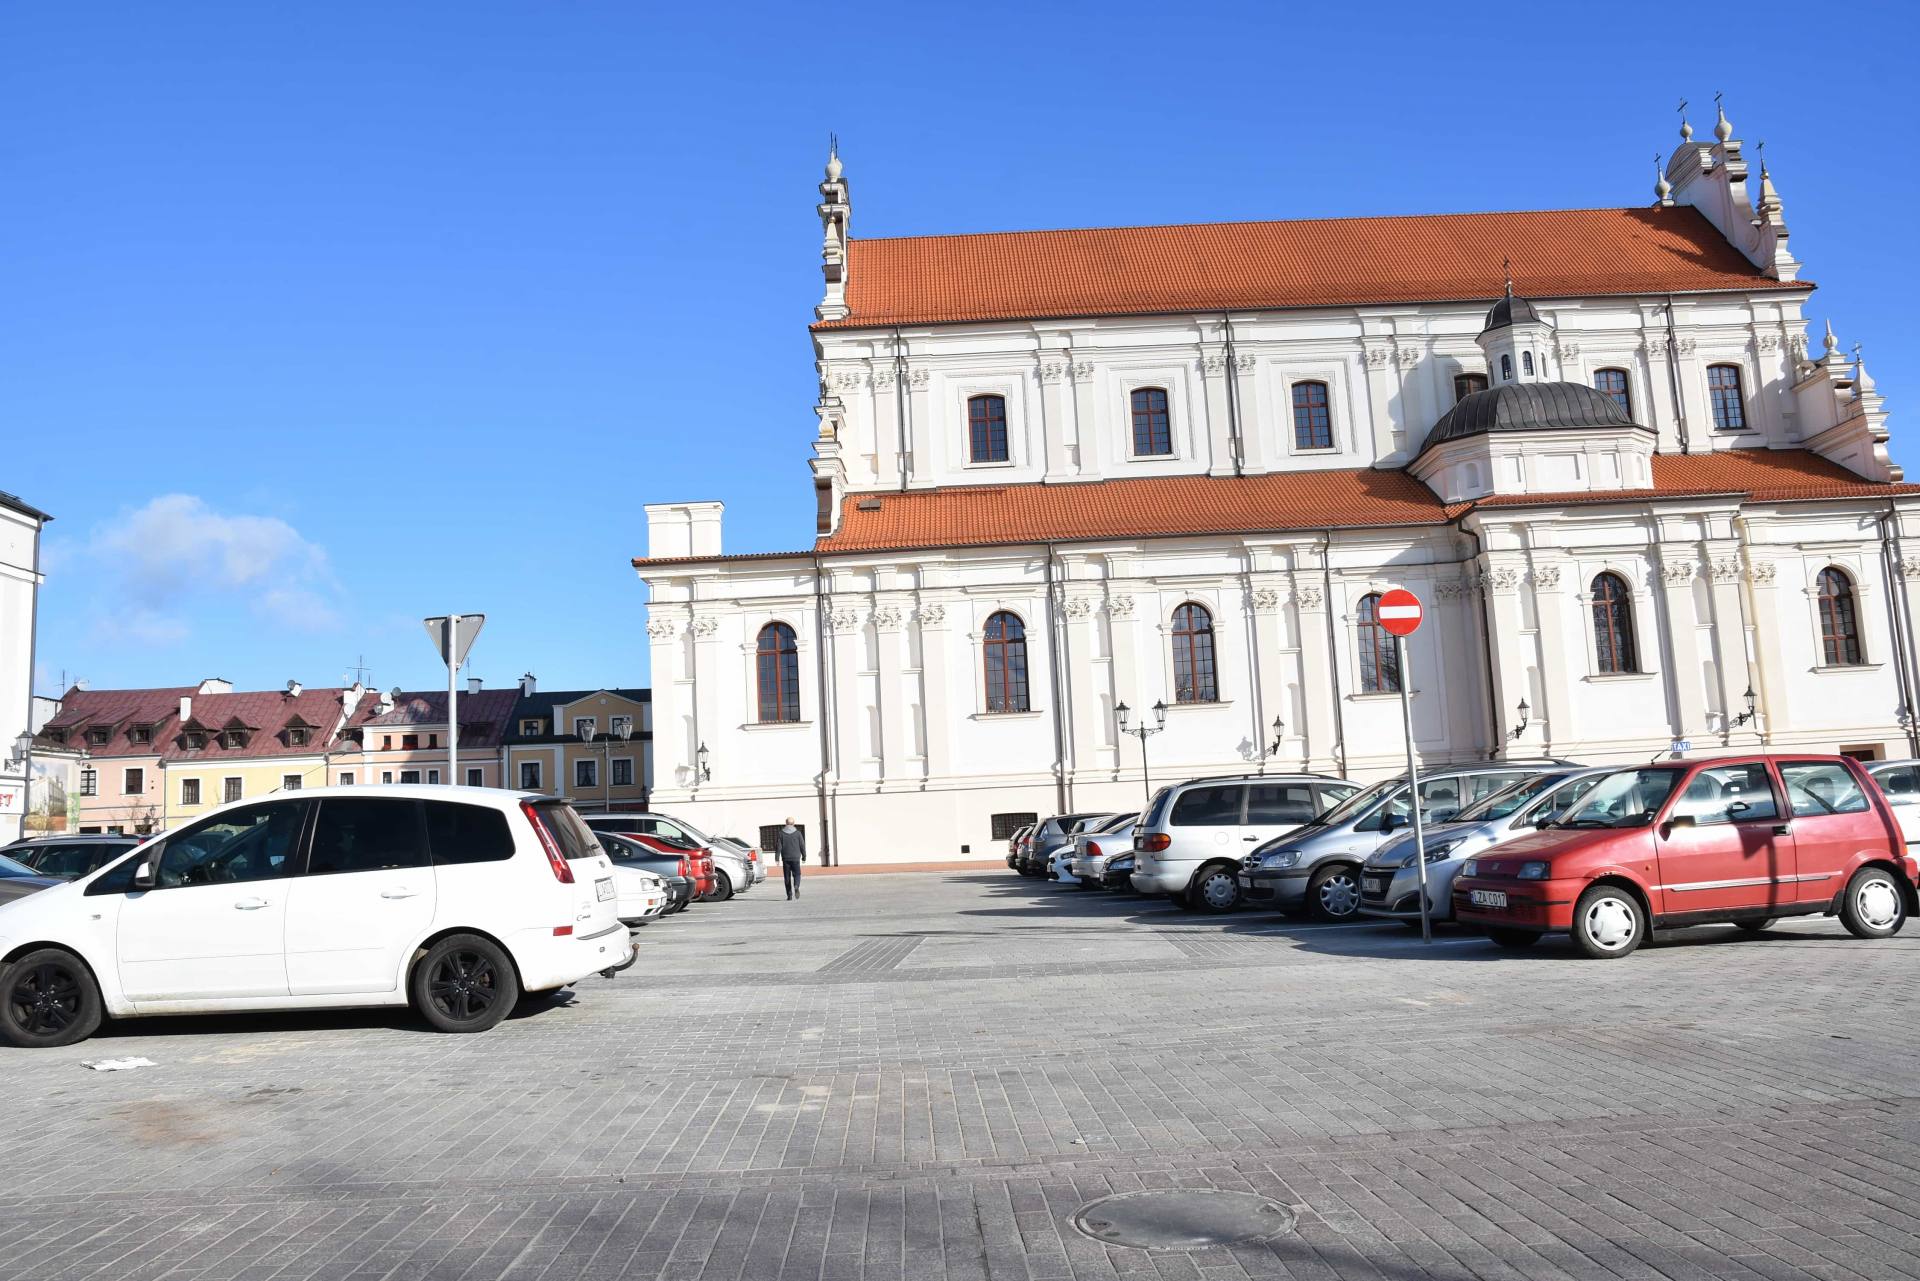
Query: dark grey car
[
  {"x": 17, "y": 880},
  {"x": 68, "y": 858}
]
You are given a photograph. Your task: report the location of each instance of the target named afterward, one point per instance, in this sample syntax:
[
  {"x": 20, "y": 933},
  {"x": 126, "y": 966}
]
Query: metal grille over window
[{"x": 1005, "y": 825}]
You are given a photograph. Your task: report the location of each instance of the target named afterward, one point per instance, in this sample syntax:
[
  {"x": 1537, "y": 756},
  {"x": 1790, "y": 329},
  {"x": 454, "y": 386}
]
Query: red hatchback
[
  {"x": 1741, "y": 839},
  {"x": 696, "y": 863}
]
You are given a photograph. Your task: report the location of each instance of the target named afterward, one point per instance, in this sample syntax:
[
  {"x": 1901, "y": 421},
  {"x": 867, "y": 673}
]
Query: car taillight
[
  {"x": 1155, "y": 842},
  {"x": 1093, "y": 849},
  {"x": 685, "y": 869},
  {"x": 561, "y": 872}
]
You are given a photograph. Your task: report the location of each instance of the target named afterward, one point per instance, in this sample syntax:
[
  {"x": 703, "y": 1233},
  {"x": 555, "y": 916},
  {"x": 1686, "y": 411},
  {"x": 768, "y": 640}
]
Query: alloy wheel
[
  {"x": 46, "y": 1000},
  {"x": 463, "y": 985}
]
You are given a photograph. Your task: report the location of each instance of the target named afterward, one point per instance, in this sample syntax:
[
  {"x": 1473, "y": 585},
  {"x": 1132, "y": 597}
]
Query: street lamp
[
  {"x": 23, "y": 761},
  {"x": 1521, "y": 728},
  {"x": 1747, "y": 715},
  {"x": 1273, "y": 748},
  {"x": 1143, "y": 732},
  {"x": 702, "y": 771},
  {"x": 620, "y": 727}
]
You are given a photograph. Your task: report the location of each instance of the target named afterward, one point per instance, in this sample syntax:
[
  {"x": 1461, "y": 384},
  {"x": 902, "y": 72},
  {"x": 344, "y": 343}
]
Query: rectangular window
[
  {"x": 98, "y": 737},
  {"x": 409, "y": 776},
  {"x": 386, "y": 742},
  {"x": 409, "y": 742},
  {"x": 1729, "y": 794},
  {"x": 1464, "y": 385},
  {"x": 1312, "y": 419},
  {"x": 623, "y": 771},
  {"x": 529, "y": 728},
  {"x": 530, "y": 775},
  {"x": 476, "y": 778},
  {"x": 467, "y": 833},
  {"x": 296, "y": 737},
  {"x": 230, "y": 789},
  {"x": 89, "y": 782},
  {"x": 583, "y": 728},
  {"x": 366, "y": 835},
  {"x": 433, "y": 740},
  {"x": 346, "y": 778},
  {"x": 620, "y": 726},
  {"x": 1613, "y": 383},
  {"x": 134, "y": 782},
  {"x": 140, "y": 734},
  {"x": 1005, "y": 825},
  {"x": 1214, "y": 806},
  {"x": 586, "y": 773},
  {"x": 289, "y": 782},
  {"x": 1729, "y": 403},
  {"x": 1821, "y": 787},
  {"x": 189, "y": 791},
  {"x": 386, "y": 776},
  {"x": 433, "y": 776},
  {"x": 1152, "y": 430},
  {"x": 770, "y": 835}
]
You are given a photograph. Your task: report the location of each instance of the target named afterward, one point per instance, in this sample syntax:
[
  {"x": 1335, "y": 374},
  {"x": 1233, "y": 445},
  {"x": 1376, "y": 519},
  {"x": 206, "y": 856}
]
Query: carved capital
[
  {"x": 887, "y": 618},
  {"x": 1677, "y": 573},
  {"x": 1726, "y": 569},
  {"x": 1243, "y": 361},
  {"x": 1407, "y": 357},
  {"x": 1309, "y": 597},
  {"x": 1502, "y": 578},
  {"x": 883, "y": 376},
  {"x": 1547, "y": 577},
  {"x": 1910, "y": 568},
  {"x": 661, "y": 628},
  {"x": 1077, "y": 607},
  {"x": 1082, "y": 371},
  {"x": 1265, "y": 600},
  {"x": 1212, "y": 362},
  {"x": 1762, "y": 573},
  {"x": 932, "y": 615},
  {"x": 704, "y": 626},
  {"x": 1568, "y": 351},
  {"x": 917, "y": 377},
  {"x": 1768, "y": 343},
  {"x": 1052, "y": 372},
  {"x": 1120, "y": 606},
  {"x": 1379, "y": 357},
  {"x": 844, "y": 620}
]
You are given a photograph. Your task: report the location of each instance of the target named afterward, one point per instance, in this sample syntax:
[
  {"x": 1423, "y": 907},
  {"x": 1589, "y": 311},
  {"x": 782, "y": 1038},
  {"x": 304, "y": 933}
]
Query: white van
[{"x": 456, "y": 900}]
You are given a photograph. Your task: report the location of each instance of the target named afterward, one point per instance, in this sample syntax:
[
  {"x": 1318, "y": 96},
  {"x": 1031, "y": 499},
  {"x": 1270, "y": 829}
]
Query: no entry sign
[{"x": 1400, "y": 612}]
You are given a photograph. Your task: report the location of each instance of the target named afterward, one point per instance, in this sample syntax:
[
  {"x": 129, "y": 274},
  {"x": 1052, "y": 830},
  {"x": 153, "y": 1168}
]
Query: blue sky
[{"x": 315, "y": 320}]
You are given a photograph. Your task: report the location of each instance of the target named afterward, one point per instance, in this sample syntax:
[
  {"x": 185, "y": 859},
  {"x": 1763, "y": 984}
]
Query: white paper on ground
[{"x": 119, "y": 1065}]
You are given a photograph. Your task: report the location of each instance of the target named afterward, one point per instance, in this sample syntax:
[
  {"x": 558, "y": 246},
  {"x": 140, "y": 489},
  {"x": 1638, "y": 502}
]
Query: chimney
[
  {"x": 186, "y": 708},
  {"x": 527, "y": 684},
  {"x": 293, "y": 689},
  {"x": 473, "y": 684},
  {"x": 350, "y": 699}
]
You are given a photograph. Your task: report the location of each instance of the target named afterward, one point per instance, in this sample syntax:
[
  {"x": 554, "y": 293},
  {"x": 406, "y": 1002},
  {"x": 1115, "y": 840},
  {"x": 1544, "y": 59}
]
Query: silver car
[
  {"x": 1092, "y": 849},
  {"x": 1900, "y": 780},
  {"x": 1060, "y": 862},
  {"x": 1389, "y": 880}
]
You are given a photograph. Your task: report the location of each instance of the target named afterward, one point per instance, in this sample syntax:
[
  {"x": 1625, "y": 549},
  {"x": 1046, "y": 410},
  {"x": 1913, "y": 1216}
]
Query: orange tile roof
[
  {"x": 1176, "y": 506},
  {"x": 1119, "y": 271}
]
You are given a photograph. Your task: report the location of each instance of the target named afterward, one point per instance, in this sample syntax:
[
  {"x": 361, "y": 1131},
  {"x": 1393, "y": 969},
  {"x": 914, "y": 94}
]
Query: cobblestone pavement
[{"x": 923, "y": 1076}]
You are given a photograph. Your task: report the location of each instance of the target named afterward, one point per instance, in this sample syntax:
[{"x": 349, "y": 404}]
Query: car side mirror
[
  {"x": 1388, "y": 822},
  {"x": 1682, "y": 820},
  {"x": 143, "y": 878}
]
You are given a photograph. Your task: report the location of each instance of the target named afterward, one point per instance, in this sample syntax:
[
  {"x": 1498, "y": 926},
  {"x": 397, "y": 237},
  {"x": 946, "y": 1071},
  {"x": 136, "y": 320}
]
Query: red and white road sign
[{"x": 1399, "y": 612}]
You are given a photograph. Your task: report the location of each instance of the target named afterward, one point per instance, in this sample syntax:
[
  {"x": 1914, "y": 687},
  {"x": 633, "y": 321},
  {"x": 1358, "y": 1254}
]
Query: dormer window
[
  {"x": 233, "y": 738},
  {"x": 297, "y": 736},
  {"x": 1464, "y": 385},
  {"x": 57, "y": 737},
  {"x": 140, "y": 734},
  {"x": 530, "y": 727},
  {"x": 195, "y": 740},
  {"x": 98, "y": 736}
]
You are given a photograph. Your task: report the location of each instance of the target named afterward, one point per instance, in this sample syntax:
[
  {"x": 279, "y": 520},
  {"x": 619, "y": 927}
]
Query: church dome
[
  {"x": 1528, "y": 407},
  {"x": 1509, "y": 311}
]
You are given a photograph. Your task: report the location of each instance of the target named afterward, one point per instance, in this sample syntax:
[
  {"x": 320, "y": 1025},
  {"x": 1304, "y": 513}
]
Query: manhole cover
[{"x": 1182, "y": 1218}]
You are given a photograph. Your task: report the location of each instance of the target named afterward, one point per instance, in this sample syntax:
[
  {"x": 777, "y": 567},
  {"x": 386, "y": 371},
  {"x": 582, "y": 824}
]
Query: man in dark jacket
[{"x": 793, "y": 852}]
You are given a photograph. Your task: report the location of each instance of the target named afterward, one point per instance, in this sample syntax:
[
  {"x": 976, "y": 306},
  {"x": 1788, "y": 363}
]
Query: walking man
[{"x": 793, "y": 852}]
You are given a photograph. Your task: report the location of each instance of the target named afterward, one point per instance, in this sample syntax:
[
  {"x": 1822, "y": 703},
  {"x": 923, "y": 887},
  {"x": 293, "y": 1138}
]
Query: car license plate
[
  {"x": 1488, "y": 898},
  {"x": 1375, "y": 884},
  {"x": 603, "y": 889}
]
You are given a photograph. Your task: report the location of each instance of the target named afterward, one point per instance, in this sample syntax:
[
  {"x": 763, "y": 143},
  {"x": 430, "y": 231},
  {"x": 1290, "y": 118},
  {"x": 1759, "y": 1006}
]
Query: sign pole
[
  {"x": 1413, "y": 787},
  {"x": 453, "y": 702}
]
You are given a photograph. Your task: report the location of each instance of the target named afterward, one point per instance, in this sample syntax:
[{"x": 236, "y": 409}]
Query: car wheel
[
  {"x": 1608, "y": 923},
  {"x": 47, "y": 998},
  {"x": 1872, "y": 907},
  {"x": 1216, "y": 889},
  {"x": 1514, "y": 939},
  {"x": 464, "y": 984},
  {"x": 1754, "y": 927},
  {"x": 1334, "y": 893},
  {"x": 722, "y": 888}
]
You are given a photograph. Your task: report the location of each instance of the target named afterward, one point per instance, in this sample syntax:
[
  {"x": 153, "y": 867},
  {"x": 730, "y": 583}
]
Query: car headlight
[
  {"x": 1470, "y": 868},
  {"x": 1281, "y": 858},
  {"x": 1535, "y": 871}
]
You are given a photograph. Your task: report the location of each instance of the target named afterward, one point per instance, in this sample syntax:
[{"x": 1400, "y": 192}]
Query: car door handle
[
  {"x": 1249, "y": 838},
  {"x": 1781, "y": 829},
  {"x": 399, "y": 891},
  {"x": 251, "y": 904}
]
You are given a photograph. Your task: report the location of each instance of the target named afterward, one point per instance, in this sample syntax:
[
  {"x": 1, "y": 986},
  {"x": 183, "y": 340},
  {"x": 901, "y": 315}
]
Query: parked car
[
  {"x": 756, "y": 859},
  {"x": 640, "y": 893},
  {"x": 1317, "y": 868},
  {"x": 17, "y": 880},
  {"x": 708, "y": 869},
  {"x": 668, "y": 836},
  {"x": 1191, "y": 839},
  {"x": 1086, "y": 863},
  {"x": 1047, "y": 836},
  {"x": 1058, "y": 863},
  {"x": 66, "y": 857},
  {"x": 1390, "y": 880},
  {"x": 1119, "y": 873},
  {"x": 455, "y": 900},
  {"x": 1740, "y": 839},
  {"x": 672, "y": 865},
  {"x": 1014, "y": 843},
  {"x": 1900, "y": 780}
]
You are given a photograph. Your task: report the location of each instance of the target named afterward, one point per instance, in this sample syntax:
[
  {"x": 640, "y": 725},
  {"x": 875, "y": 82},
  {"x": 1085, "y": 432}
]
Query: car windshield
[
  {"x": 1507, "y": 799},
  {"x": 1119, "y": 821},
  {"x": 1357, "y": 804},
  {"x": 12, "y": 870},
  {"x": 1625, "y": 798}
]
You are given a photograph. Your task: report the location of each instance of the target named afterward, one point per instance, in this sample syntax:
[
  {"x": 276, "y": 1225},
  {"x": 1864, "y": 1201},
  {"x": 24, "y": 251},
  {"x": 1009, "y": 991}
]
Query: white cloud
[{"x": 177, "y": 549}]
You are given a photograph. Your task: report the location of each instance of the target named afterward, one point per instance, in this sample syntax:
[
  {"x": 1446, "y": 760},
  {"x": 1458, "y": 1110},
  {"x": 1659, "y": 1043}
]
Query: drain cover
[{"x": 1182, "y": 1218}]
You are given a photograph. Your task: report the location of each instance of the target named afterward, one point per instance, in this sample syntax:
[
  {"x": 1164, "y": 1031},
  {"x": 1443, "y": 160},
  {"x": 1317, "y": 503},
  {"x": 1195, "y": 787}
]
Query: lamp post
[
  {"x": 1143, "y": 732},
  {"x": 702, "y": 773},
  {"x": 620, "y": 727},
  {"x": 1746, "y": 716},
  {"x": 23, "y": 760},
  {"x": 1521, "y": 728},
  {"x": 1273, "y": 748}
]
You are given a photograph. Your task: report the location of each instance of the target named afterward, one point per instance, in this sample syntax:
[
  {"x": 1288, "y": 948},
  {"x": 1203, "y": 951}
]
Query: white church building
[{"x": 1174, "y": 467}]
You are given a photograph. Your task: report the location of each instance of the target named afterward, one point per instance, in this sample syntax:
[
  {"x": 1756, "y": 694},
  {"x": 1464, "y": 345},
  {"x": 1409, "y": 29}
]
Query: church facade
[{"x": 1173, "y": 468}]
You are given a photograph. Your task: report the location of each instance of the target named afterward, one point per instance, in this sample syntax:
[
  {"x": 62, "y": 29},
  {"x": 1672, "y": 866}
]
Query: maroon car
[{"x": 1740, "y": 839}]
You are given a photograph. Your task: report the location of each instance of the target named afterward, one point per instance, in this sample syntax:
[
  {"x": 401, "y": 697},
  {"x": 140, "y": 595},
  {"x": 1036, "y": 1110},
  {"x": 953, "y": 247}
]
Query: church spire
[{"x": 835, "y": 208}]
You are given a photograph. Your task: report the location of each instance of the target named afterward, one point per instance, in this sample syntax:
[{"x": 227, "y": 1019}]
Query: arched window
[
  {"x": 1613, "y": 649},
  {"x": 1312, "y": 426},
  {"x": 1464, "y": 385},
  {"x": 1152, "y": 433},
  {"x": 1729, "y": 404},
  {"x": 1613, "y": 382},
  {"x": 1839, "y": 619},
  {"x": 987, "y": 429},
  {"x": 1506, "y": 369},
  {"x": 779, "y": 674},
  {"x": 1526, "y": 362},
  {"x": 1006, "y": 655},
  {"x": 1379, "y": 668},
  {"x": 1193, "y": 656}
]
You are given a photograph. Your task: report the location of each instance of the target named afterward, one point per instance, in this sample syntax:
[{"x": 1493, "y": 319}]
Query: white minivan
[{"x": 456, "y": 900}]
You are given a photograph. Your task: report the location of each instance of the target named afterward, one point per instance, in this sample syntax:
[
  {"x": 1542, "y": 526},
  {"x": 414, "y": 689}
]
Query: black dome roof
[
  {"x": 1528, "y": 407},
  {"x": 1507, "y": 311}
]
